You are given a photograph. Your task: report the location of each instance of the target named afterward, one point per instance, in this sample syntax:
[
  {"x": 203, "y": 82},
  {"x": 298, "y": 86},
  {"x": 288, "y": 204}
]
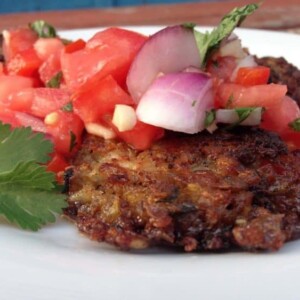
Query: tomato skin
[
  {"x": 232, "y": 95},
  {"x": 58, "y": 165},
  {"x": 109, "y": 52},
  {"x": 279, "y": 117},
  {"x": 98, "y": 98},
  {"x": 13, "y": 84},
  {"x": 61, "y": 131},
  {"x": 142, "y": 136},
  {"x": 75, "y": 46},
  {"x": 249, "y": 76},
  {"x": 49, "y": 68},
  {"x": 25, "y": 63},
  {"x": 45, "y": 47},
  {"x": 39, "y": 101},
  {"x": 16, "y": 41},
  {"x": 28, "y": 120},
  {"x": 7, "y": 116}
]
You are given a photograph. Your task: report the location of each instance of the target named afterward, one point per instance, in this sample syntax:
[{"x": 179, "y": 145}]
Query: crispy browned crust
[{"x": 200, "y": 192}]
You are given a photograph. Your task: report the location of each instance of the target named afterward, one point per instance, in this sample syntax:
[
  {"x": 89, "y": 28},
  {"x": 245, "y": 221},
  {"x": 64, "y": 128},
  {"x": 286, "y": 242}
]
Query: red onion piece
[
  {"x": 230, "y": 116},
  {"x": 178, "y": 102},
  {"x": 168, "y": 51}
]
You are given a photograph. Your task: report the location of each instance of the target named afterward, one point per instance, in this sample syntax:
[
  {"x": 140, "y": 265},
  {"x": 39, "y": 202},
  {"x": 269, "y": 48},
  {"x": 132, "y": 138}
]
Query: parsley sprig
[
  {"x": 209, "y": 41},
  {"x": 28, "y": 194}
]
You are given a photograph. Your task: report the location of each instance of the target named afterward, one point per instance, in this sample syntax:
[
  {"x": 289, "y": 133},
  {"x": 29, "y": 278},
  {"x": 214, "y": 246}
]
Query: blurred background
[{"x": 9, "y": 6}]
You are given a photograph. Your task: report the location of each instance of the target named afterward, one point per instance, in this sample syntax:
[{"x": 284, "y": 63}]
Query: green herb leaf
[
  {"x": 55, "y": 81},
  {"x": 43, "y": 29},
  {"x": 210, "y": 118},
  {"x": 243, "y": 113},
  {"x": 73, "y": 142},
  {"x": 28, "y": 194},
  {"x": 295, "y": 125},
  {"x": 209, "y": 41},
  {"x": 68, "y": 107}
]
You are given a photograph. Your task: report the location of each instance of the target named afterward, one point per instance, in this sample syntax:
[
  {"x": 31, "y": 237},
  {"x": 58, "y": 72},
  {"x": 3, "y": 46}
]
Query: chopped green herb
[
  {"x": 68, "y": 107},
  {"x": 210, "y": 118},
  {"x": 295, "y": 125},
  {"x": 55, "y": 81},
  {"x": 73, "y": 142},
  {"x": 243, "y": 113},
  {"x": 210, "y": 41},
  {"x": 28, "y": 195},
  {"x": 43, "y": 29},
  {"x": 229, "y": 101}
]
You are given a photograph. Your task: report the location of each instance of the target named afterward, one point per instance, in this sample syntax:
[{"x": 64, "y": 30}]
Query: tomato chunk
[
  {"x": 279, "y": 117},
  {"x": 98, "y": 98},
  {"x": 57, "y": 165},
  {"x": 45, "y": 47},
  {"x": 249, "y": 76},
  {"x": 16, "y": 41},
  {"x": 66, "y": 129},
  {"x": 13, "y": 84},
  {"x": 75, "y": 46},
  {"x": 234, "y": 95},
  {"x": 109, "y": 52},
  {"x": 38, "y": 101},
  {"x": 25, "y": 63},
  {"x": 222, "y": 67},
  {"x": 142, "y": 136}
]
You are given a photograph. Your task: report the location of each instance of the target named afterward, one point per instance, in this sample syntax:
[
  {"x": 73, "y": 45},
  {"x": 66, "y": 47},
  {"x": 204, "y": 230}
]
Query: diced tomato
[
  {"x": 57, "y": 165},
  {"x": 8, "y": 117},
  {"x": 27, "y": 120},
  {"x": 234, "y": 95},
  {"x": 45, "y": 47},
  {"x": 38, "y": 101},
  {"x": 2, "y": 69},
  {"x": 16, "y": 41},
  {"x": 222, "y": 67},
  {"x": 13, "y": 84},
  {"x": 25, "y": 63},
  {"x": 50, "y": 68},
  {"x": 98, "y": 98},
  {"x": 279, "y": 117},
  {"x": 142, "y": 136},
  {"x": 65, "y": 129},
  {"x": 249, "y": 76},
  {"x": 17, "y": 119},
  {"x": 109, "y": 52},
  {"x": 75, "y": 46}
]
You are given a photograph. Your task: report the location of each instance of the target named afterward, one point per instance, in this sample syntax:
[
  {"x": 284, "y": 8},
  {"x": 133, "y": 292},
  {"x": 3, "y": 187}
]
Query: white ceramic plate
[{"x": 57, "y": 263}]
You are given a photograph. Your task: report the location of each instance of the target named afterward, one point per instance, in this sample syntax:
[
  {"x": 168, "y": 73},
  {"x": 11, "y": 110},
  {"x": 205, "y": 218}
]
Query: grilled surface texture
[{"x": 197, "y": 192}]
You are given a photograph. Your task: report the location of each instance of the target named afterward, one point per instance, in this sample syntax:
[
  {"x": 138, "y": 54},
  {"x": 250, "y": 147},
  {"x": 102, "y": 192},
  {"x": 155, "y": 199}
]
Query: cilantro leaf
[
  {"x": 209, "y": 41},
  {"x": 30, "y": 208},
  {"x": 55, "y": 81},
  {"x": 28, "y": 193},
  {"x": 209, "y": 118},
  {"x": 43, "y": 29},
  {"x": 21, "y": 144},
  {"x": 68, "y": 107}
]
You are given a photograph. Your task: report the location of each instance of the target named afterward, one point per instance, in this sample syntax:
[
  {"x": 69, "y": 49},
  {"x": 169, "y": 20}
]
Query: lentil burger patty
[{"x": 236, "y": 189}]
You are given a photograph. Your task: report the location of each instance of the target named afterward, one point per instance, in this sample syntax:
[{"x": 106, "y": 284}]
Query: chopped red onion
[
  {"x": 168, "y": 51},
  {"x": 178, "y": 102}
]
